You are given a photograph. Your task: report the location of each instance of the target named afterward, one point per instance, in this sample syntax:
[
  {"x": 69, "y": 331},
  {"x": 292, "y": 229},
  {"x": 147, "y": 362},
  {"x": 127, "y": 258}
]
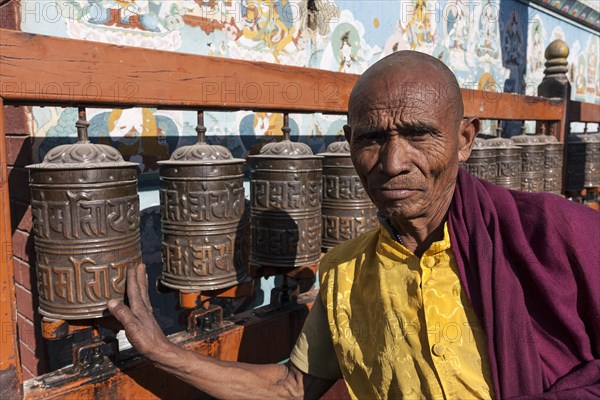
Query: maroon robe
[{"x": 530, "y": 264}]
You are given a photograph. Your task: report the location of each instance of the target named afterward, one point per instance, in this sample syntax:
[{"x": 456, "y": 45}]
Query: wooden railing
[{"x": 41, "y": 70}]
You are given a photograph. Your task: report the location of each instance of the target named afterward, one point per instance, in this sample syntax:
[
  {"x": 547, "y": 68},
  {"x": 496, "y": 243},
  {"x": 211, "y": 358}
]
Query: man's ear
[
  {"x": 348, "y": 132},
  {"x": 469, "y": 127}
]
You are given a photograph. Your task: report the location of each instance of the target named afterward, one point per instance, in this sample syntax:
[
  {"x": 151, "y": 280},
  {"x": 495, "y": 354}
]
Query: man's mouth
[{"x": 397, "y": 193}]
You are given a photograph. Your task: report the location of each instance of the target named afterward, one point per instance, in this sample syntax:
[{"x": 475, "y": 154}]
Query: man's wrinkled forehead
[{"x": 417, "y": 95}]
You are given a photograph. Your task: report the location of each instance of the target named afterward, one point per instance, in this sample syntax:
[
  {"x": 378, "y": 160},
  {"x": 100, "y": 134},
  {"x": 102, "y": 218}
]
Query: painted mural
[
  {"x": 493, "y": 45},
  {"x": 583, "y": 10}
]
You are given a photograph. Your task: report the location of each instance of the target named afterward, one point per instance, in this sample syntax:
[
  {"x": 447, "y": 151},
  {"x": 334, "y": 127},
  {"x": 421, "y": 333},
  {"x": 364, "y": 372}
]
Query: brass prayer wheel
[
  {"x": 532, "y": 162},
  {"x": 347, "y": 210},
  {"x": 86, "y": 219},
  {"x": 203, "y": 217},
  {"x": 285, "y": 196},
  {"x": 583, "y": 161},
  {"x": 553, "y": 164},
  {"x": 482, "y": 161},
  {"x": 508, "y": 161}
]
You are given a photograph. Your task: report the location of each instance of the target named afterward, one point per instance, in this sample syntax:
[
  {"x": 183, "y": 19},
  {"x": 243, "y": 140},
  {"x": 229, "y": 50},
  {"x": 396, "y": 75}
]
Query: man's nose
[{"x": 394, "y": 157}]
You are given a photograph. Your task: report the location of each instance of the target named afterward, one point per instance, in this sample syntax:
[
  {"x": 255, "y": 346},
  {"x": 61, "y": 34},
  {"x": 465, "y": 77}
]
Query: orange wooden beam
[
  {"x": 584, "y": 112},
  {"x": 37, "y": 69},
  {"x": 509, "y": 106},
  {"x": 11, "y": 378}
]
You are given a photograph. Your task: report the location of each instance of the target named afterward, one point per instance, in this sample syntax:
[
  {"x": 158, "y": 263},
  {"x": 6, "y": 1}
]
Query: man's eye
[
  {"x": 419, "y": 132},
  {"x": 371, "y": 137}
]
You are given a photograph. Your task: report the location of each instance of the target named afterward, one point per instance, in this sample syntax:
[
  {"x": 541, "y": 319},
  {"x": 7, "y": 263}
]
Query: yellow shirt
[{"x": 400, "y": 326}]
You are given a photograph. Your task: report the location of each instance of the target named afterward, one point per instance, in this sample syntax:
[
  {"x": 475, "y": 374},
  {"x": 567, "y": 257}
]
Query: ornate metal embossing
[
  {"x": 583, "y": 161},
  {"x": 86, "y": 227},
  {"x": 201, "y": 203},
  {"x": 204, "y": 223},
  {"x": 347, "y": 210},
  {"x": 532, "y": 162},
  {"x": 285, "y": 192},
  {"x": 195, "y": 258},
  {"x": 593, "y": 168},
  {"x": 482, "y": 162},
  {"x": 286, "y": 148},
  {"x": 508, "y": 161},
  {"x": 553, "y": 165},
  {"x": 342, "y": 187},
  {"x": 80, "y": 282},
  {"x": 337, "y": 229},
  {"x": 285, "y": 195},
  {"x": 79, "y": 216}
]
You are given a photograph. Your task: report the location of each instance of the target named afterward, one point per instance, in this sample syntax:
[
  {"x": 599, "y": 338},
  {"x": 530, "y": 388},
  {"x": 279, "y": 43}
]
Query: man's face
[{"x": 404, "y": 146}]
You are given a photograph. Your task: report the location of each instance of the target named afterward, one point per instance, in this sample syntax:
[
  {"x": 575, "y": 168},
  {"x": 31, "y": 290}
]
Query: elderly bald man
[{"x": 466, "y": 290}]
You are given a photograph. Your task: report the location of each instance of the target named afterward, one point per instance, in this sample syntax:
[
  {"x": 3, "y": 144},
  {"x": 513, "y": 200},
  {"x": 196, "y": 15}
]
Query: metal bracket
[
  {"x": 283, "y": 295},
  {"x": 95, "y": 353},
  {"x": 206, "y": 320}
]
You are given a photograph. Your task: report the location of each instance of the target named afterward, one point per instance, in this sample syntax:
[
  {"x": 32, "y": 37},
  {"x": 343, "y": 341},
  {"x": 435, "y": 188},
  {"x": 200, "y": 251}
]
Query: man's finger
[
  {"x": 142, "y": 279},
  {"x": 133, "y": 291},
  {"x": 120, "y": 311},
  {"x": 132, "y": 325}
]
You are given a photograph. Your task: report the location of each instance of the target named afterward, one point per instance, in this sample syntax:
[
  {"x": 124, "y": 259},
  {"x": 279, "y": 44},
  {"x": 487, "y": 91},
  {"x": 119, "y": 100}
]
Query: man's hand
[
  {"x": 141, "y": 327},
  {"x": 220, "y": 379}
]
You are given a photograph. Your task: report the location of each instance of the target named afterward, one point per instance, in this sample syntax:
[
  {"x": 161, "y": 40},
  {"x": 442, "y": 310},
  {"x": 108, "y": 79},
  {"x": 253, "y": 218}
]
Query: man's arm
[{"x": 221, "y": 379}]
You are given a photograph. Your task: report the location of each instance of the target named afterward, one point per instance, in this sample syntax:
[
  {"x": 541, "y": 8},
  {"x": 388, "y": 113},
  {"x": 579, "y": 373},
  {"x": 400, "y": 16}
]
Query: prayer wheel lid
[
  {"x": 501, "y": 142},
  {"x": 480, "y": 143},
  {"x": 585, "y": 138},
  {"x": 528, "y": 139},
  {"x": 82, "y": 154},
  {"x": 286, "y": 148},
  {"x": 340, "y": 148},
  {"x": 201, "y": 152},
  {"x": 548, "y": 139}
]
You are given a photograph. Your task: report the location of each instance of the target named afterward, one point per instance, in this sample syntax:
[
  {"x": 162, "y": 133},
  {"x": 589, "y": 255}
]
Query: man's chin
[{"x": 396, "y": 212}]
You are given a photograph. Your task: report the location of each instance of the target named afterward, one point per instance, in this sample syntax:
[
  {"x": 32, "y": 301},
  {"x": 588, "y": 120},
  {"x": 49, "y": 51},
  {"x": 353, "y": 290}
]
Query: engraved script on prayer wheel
[
  {"x": 86, "y": 227},
  {"x": 482, "y": 161},
  {"x": 347, "y": 210},
  {"x": 553, "y": 164},
  {"x": 532, "y": 162},
  {"x": 203, "y": 220},
  {"x": 583, "y": 161},
  {"x": 508, "y": 161},
  {"x": 285, "y": 192}
]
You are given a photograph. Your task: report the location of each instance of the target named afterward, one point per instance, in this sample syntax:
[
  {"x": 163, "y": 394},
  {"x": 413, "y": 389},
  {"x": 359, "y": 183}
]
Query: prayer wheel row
[
  {"x": 496, "y": 160},
  {"x": 86, "y": 217},
  {"x": 531, "y": 163}
]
